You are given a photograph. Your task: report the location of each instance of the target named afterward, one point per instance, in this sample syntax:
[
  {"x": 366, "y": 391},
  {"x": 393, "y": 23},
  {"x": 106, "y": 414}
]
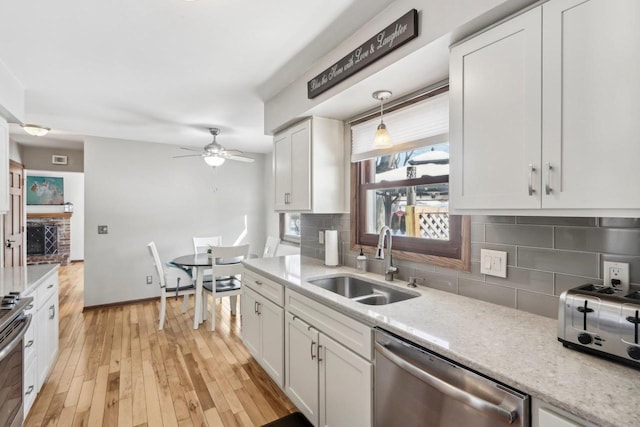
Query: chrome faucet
[{"x": 389, "y": 268}]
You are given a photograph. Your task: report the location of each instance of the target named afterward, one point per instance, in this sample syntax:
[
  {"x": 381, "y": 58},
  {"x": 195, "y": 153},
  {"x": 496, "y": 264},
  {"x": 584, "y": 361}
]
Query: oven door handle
[
  {"x": 16, "y": 337},
  {"x": 448, "y": 389}
]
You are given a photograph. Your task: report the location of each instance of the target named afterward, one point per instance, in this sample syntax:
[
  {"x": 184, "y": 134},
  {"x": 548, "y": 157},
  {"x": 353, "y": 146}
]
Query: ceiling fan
[{"x": 215, "y": 154}]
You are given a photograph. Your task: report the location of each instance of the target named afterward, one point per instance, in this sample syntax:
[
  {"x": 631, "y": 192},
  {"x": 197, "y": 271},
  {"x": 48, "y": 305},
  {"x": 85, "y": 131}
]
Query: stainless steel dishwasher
[{"x": 415, "y": 387}]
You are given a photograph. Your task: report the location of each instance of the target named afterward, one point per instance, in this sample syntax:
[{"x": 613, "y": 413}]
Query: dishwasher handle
[{"x": 446, "y": 388}]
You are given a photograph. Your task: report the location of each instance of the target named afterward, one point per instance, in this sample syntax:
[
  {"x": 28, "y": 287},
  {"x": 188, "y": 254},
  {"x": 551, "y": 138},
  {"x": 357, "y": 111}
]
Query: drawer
[
  {"x": 349, "y": 332},
  {"x": 29, "y": 387},
  {"x": 48, "y": 287},
  {"x": 268, "y": 288}
]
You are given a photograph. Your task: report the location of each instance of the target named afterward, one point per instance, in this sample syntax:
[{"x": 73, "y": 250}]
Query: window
[
  {"x": 407, "y": 187},
  {"x": 290, "y": 227}
]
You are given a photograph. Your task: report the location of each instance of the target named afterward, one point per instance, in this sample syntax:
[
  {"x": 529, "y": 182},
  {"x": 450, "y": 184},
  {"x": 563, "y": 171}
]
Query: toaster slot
[
  {"x": 584, "y": 313},
  {"x": 630, "y": 323}
]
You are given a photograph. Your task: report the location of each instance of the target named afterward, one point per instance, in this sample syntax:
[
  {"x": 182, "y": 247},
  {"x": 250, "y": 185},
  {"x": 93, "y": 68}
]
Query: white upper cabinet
[
  {"x": 308, "y": 166},
  {"x": 495, "y": 93},
  {"x": 544, "y": 112},
  {"x": 591, "y": 103}
]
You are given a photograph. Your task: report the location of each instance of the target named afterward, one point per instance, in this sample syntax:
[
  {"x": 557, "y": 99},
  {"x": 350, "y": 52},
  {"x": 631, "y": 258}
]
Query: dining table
[{"x": 200, "y": 262}]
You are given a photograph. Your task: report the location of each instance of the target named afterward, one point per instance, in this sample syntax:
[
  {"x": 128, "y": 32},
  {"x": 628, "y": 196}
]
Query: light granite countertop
[
  {"x": 517, "y": 348},
  {"x": 24, "y": 279}
]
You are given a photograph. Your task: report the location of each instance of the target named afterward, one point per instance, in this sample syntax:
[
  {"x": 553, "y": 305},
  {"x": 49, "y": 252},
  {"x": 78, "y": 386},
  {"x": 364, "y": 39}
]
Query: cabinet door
[
  {"x": 250, "y": 322},
  {"x": 344, "y": 377},
  {"x": 301, "y": 354},
  {"x": 272, "y": 337},
  {"x": 4, "y": 166},
  {"x": 301, "y": 167},
  {"x": 282, "y": 170},
  {"x": 591, "y": 103},
  {"x": 47, "y": 337},
  {"x": 495, "y": 130}
]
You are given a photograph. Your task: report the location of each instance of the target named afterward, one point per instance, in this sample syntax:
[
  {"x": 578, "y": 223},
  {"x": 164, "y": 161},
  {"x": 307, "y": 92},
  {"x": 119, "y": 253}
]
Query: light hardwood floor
[{"x": 115, "y": 368}]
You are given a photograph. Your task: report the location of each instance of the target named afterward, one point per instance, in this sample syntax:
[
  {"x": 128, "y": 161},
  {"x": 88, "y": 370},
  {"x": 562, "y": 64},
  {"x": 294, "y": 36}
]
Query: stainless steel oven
[
  {"x": 415, "y": 387},
  {"x": 13, "y": 325}
]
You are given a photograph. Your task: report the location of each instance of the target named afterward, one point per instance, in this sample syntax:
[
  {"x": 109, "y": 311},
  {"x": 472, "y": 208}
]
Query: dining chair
[
  {"x": 270, "y": 247},
  {"x": 226, "y": 267},
  {"x": 171, "y": 278},
  {"x": 202, "y": 244}
]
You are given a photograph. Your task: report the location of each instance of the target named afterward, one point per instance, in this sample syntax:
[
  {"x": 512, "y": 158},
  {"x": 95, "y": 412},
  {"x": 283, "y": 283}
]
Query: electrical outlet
[
  {"x": 103, "y": 229},
  {"x": 619, "y": 271},
  {"x": 493, "y": 263},
  {"x": 321, "y": 237},
  {"x": 149, "y": 280}
]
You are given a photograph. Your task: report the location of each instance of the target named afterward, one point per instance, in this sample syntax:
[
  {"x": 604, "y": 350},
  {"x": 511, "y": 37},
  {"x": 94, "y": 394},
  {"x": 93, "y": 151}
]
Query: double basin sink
[{"x": 362, "y": 291}]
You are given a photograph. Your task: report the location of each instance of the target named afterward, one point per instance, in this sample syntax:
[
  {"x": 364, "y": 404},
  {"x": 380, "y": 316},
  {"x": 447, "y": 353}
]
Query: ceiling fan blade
[
  {"x": 188, "y": 155},
  {"x": 232, "y": 153},
  {"x": 241, "y": 159},
  {"x": 190, "y": 149}
]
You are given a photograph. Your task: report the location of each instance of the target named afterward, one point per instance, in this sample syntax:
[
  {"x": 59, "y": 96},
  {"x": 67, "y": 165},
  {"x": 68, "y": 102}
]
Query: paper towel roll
[{"x": 331, "y": 248}]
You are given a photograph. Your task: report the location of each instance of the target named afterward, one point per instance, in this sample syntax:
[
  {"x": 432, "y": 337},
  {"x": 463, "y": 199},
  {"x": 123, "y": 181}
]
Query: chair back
[
  {"x": 270, "y": 247},
  {"x": 202, "y": 244},
  {"x": 223, "y": 254},
  {"x": 156, "y": 261}
]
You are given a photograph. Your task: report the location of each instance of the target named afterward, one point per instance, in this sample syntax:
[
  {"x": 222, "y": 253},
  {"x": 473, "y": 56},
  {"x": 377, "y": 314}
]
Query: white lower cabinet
[
  {"x": 546, "y": 415},
  {"x": 328, "y": 382},
  {"x": 263, "y": 326},
  {"x": 41, "y": 339}
]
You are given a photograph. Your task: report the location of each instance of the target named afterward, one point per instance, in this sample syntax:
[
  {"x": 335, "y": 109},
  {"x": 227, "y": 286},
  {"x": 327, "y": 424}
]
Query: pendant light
[{"x": 382, "y": 138}]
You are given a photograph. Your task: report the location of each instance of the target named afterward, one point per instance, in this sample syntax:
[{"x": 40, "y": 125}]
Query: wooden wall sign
[{"x": 386, "y": 41}]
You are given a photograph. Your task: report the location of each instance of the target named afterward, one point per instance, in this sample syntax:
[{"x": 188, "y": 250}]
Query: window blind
[{"x": 418, "y": 125}]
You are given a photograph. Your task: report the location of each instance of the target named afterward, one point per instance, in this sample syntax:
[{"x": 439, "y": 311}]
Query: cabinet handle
[
  {"x": 258, "y": 282},
  {"x": 532, "y": 169},
  {"x": 50, "y": 286},
  {"x": 29, "y": 307},
  {"x": 320, "y": 353},
  {"x": 313, "y": 356},
  {"x": 255, "y": 307},
  {"x": 547, "y": 189},
  {"x": 29, "y": 344},
  {"x": 259, "y": 312},
  {"x": 29, "y": 391},
  {"x": 53, "y": 312}
]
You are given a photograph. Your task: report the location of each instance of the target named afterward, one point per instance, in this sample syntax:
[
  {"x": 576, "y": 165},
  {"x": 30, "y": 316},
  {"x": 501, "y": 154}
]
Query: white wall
[
  {"x": 142, "y": 194},
  {"x": 74, "y": 193}
]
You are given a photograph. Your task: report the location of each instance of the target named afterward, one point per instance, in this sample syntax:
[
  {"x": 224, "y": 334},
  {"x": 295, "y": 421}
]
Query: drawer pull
[
  {"x": 29, "y": 391},
  {"x": 29, "y": 344},
  {"x": 29, "y": 307},
  {"x": 50, "y": 286},
  {"x": 258, "y": 282}
]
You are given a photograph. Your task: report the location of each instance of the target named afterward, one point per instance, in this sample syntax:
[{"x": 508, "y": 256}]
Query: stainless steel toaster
[{"x": 601, "y": 320}]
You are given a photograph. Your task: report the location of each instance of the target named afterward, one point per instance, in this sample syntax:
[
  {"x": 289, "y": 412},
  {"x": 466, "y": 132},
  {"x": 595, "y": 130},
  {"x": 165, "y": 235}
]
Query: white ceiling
[{"x": 165, "y": 70}]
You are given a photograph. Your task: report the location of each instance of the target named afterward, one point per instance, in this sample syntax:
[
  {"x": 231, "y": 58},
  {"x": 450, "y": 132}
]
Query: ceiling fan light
[
  {"x": 214, "y": 160},
  {"x": 35, "y": 130},
  {"x": 382, "y": 138}
]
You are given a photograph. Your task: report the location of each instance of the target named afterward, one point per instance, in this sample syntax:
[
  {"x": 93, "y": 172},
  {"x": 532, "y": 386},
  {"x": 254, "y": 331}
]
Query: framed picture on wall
[{"x": 43, "y": 190}]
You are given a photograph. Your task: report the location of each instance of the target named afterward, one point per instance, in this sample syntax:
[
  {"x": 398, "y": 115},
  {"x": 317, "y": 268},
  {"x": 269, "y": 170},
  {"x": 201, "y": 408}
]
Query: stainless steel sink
[{"x": 362, "y": 291}]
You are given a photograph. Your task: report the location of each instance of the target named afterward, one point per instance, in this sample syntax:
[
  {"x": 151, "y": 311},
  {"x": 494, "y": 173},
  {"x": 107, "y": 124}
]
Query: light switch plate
[{"x": 493, "y": 263}]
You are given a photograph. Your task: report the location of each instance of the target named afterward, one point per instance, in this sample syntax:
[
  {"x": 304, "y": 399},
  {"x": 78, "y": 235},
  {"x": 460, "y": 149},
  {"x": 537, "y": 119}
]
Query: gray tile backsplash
[{"x": 545, "y": 256}]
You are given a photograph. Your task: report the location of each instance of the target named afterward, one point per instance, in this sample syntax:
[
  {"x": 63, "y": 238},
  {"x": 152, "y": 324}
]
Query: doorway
[{"x": 14, "y": 219}]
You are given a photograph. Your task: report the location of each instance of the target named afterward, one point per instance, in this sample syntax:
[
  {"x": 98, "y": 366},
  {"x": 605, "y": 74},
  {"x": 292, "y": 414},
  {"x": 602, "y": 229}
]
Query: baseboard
[{"x": 116, "y": 304}]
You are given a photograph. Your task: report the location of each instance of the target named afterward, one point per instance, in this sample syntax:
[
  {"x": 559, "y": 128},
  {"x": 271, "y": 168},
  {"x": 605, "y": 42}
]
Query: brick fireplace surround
[{"x": 63, "y": 222}]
